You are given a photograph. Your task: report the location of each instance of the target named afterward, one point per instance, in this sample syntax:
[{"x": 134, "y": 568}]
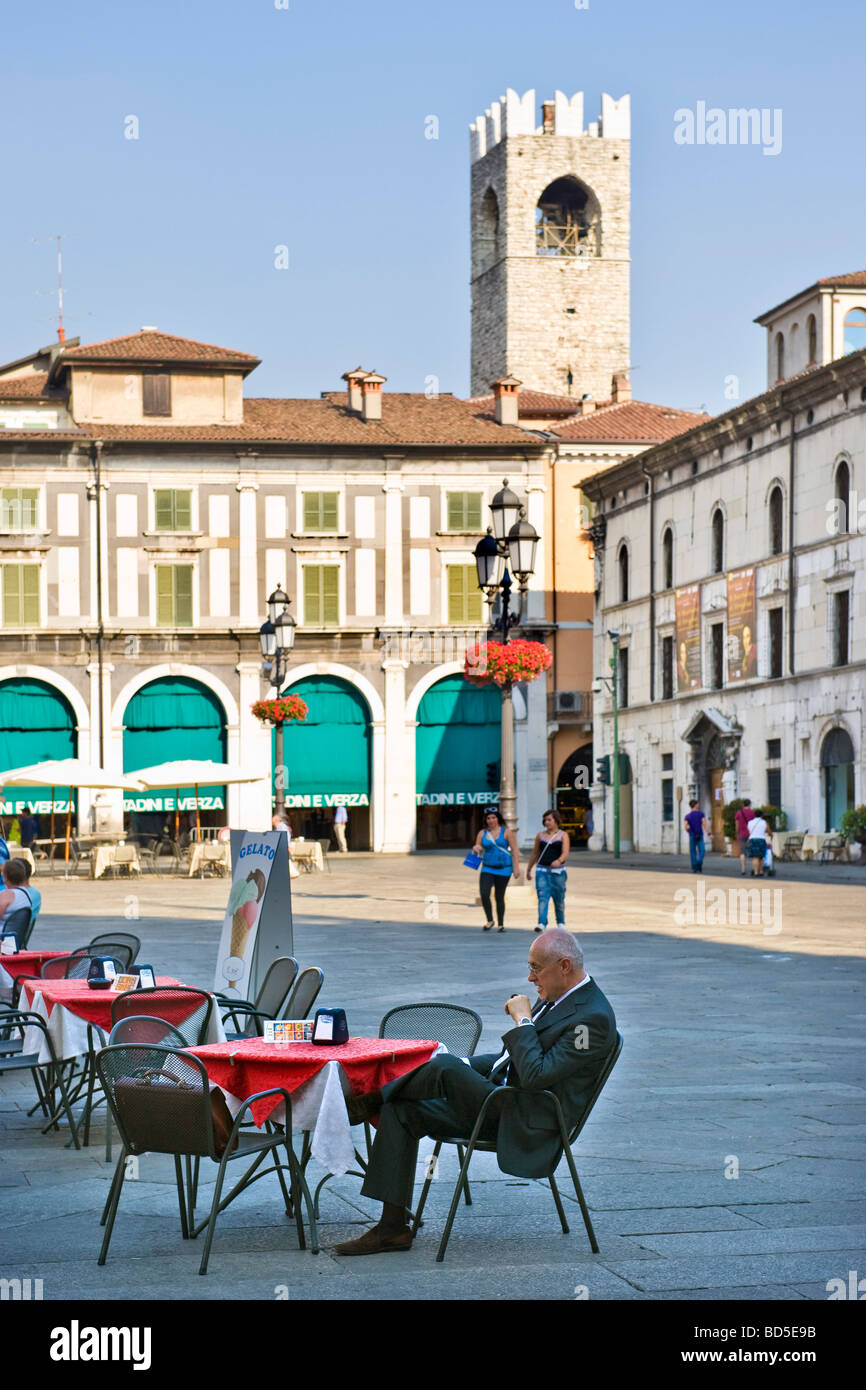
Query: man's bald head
[{"x": 555, "y": 963}]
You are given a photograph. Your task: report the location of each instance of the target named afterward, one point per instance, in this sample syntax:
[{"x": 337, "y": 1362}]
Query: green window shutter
[
  {"x": 11, "y": 596},
  {"x": 163, "y": 510},
  {"x": 8, "y": 509},
  {"x": 322, "y": 595},
  {"x": 30, "y": 508},
  {"x": 21, "y": 596},
  {"x": 312, "y": 511},
  {"x": 455, "y": 511},
  {"x": 321, "y": 511},
  {"x": 330, "y": 520},
  {"x": 182, "y": 511},
  {"x": 464, "y": 511},
  {"x": 30, "y": 595},
  {"x": 164, "y": 596},
  {"x": 312, "y": 596},
  {"x": 330, "y": 595},
  {"x": 473, "y": 511},
  {"x": 183, "y": 595},
  {"x": 456, "y": 594}
]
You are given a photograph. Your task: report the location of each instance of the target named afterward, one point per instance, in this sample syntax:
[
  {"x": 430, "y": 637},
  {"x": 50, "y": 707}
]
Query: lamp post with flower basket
[
  {"x": 508, "y": 548},
  {"x": 277, "y": 636}
]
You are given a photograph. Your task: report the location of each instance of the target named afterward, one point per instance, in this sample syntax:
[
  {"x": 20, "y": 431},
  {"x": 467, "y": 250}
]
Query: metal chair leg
[
  {"x": 214, "y": 1212},
  {"x": 466, "y": 1193},
  {"x": 181, "y": 1197},
  {"x": 114, "y": 1199},
  {"x": 455, "y": 1202},
  {"x": 558, "y": 1200},
  {"x": 582, "y": 1200}
]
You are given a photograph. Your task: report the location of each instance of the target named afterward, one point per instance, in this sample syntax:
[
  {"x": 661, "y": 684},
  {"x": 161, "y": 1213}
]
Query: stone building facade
[
  {"x": 730, "y": 560},
  {"x": 550, "y": 245},
  {"x": 149, "y": 508}
]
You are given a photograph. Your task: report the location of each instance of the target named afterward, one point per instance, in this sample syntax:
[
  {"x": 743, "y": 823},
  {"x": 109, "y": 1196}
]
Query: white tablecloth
[
  {"x": 68, "y": 1032},
  {"x": 104, "y": 857},
  {"x": 320, "y": 1107},
  {"x": 198, "y": 857},
  {"x": 16, "y": 852},
  {"x": 308, "y": 852}
]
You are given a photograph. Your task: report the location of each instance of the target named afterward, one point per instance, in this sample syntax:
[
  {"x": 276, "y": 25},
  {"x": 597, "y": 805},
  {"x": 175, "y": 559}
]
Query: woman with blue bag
[{"x": 500, "y": 858}]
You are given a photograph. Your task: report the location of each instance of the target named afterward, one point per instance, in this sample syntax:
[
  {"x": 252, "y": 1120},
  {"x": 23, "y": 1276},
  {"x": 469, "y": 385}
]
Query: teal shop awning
[
  {"x": 458, "y": 734},
  {"x": 169, "y": 720},
  {"x": 36, "y": 723},
  {"x": 328, "y": 753}
]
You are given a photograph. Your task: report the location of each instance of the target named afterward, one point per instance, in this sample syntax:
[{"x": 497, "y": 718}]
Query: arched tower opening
[{"x": 567, "y": 220}]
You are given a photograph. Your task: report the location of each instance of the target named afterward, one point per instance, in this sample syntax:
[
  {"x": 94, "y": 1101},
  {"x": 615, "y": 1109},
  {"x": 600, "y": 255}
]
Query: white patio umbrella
[
  {"x": 192, "y": 772},
  {"x": 66, "y": 772}
]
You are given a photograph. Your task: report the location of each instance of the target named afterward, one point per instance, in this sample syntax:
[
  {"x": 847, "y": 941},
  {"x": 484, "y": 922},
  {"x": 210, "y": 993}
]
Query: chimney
[
  {"x": 371, "y": 396},
  {"x": 353, "y": 381},
  {"x": 548, "y": 118},
  {"x": 620, "y": 389},
  {"x": 587, "y": 405},
  {"x": 505, "y": 403}
]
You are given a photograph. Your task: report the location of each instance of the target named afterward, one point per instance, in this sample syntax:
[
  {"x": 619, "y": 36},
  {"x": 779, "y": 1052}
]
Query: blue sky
[{"x": 304, "y": 127}]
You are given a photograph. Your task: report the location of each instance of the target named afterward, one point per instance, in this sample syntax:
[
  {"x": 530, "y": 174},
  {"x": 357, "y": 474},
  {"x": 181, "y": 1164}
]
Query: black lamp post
[
  {"x": 277, "y": 636},
  {"x": 511, "y": 541}
]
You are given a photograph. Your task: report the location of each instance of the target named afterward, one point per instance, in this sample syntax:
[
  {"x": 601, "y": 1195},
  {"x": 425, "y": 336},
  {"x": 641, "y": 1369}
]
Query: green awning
[
  {"x": 168, "y": 720},
  {"x": 458, "y": 735},
  {"x": 36, "y": 723},
  {"x": 329, "y": 752}
]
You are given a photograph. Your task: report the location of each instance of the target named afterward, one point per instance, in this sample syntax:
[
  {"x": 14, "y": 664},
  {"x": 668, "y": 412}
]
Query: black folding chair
[
  {"x": 496, "y": 1101},
  {"x": 47, "y": 1076},
  {"x": 304, "y": 994},
  {"x": 109, "y": 938},
  {"x": 247, "y": 1017},
  {"x": 161, "y": 1103}
]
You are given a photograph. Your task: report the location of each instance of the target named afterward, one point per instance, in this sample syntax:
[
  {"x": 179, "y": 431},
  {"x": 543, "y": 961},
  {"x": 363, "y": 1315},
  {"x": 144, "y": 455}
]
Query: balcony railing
[{"x": 565, "y": 239}]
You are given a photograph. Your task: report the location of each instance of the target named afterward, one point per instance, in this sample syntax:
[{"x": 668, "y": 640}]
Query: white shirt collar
[{"x": 584, "y": 981}]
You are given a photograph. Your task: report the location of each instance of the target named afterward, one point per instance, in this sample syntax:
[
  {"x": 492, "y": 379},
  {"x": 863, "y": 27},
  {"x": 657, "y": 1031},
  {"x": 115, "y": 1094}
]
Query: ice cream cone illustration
[{"x": 244, "y": 905}]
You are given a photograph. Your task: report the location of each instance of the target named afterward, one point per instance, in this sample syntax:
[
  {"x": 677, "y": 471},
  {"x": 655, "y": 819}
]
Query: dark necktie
[{"x": 501, "y": 1068}]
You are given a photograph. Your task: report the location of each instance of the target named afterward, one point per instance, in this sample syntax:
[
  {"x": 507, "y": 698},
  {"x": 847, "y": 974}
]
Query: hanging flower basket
[
  {"x": 506, "y": 663},
  {"x": 282, "y": 711}
]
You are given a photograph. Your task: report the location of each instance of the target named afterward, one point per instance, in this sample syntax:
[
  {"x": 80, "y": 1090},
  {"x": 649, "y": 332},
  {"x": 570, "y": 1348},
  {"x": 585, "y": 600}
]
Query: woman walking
[
  {"x": 759, "y": 833},
  {"x": 549, "y": 855},
  {"x": 500, "y": 859}
]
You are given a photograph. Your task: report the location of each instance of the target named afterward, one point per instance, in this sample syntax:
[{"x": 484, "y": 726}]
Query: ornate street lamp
[
  {"x": 277, "y": 638},
  {"x": 512, "y": 540}
]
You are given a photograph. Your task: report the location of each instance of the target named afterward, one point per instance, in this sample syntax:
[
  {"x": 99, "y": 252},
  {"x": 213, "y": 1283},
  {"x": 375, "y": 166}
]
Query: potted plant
[{"x": 853, "y": 827}]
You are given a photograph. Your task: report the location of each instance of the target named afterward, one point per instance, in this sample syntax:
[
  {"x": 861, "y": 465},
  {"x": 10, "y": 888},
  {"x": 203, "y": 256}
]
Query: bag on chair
[{"x": 171, "y": 1109}]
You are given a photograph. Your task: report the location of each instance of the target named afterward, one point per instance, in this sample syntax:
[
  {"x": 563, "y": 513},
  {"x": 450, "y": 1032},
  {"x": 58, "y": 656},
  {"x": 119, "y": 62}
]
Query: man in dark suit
[{"x": 560, "y": 1045}]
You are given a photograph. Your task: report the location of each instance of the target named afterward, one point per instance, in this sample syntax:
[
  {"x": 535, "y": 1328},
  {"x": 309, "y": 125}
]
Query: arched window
[
  {"x": 780, "y": 357},
  {"x": 623, "y": 574},
  {"x": 488, "y": 229},
  {"x": 812, "y": 329},
  {"x": 843, "y": 488},
  {"x": 567, "y": 220},
  {"x": 854, "y": 330},
  {"x": 837, "y": 765},
  {"x": 718, "y": 541},
  {"x": 777, "y": 527},
  {"x": 668, "y": 558}
]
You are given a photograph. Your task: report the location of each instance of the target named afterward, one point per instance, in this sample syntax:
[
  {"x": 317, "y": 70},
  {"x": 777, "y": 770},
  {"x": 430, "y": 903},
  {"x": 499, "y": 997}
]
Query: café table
[
  {"x": 318, "y": 1078},
  {"x": 24, "y": 963},
  {"x": 779, "y": 840},
  {"x": 104, "y": 857},
  {"x": 307, "y": 853},
  {"x": 19, "y": 852},
  {"x": 68, "y": 1006},
  {"x": 814, "y": 844},
  {"x": 212, "y": 853}
]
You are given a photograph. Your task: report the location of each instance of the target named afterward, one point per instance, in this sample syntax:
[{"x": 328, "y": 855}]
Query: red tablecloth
[
  {"x": 243, "y": 1068},
  {"x": 93, "y": 1005},
  {"x": 28, "y": 962}
]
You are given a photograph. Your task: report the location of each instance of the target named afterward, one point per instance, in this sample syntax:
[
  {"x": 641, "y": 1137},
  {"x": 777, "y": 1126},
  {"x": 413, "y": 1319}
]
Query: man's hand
[{"x": 518, "y": 1006}]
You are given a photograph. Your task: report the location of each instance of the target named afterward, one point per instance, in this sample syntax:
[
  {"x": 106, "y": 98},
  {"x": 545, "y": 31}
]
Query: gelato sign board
[{"x": 257, "y": 927}]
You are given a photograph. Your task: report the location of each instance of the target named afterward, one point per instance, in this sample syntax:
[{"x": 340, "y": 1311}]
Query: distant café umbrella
[
  {"x": 66, "y": 772},
  {"x": 193, "y": 772}
]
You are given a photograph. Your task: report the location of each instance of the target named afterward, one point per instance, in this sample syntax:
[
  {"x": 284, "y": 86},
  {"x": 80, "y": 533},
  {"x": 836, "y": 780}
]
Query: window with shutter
[
  {"x": 464, "y": 596},
  {"x": 21, "y": 596},
  {"x": 155, "y": 393},
  {"x": 174, "y": 596},
  {"x": 464, "y": 511},
  {"x": 172, "y": 508},
  {"x": 322, "y": 595},
  {"x": 19, "y": 508},
  {"x": 321, "y": 511}
]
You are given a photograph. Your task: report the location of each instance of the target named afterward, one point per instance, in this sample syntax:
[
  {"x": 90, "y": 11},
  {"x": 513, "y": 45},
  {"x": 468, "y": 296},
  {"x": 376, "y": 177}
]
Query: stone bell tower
[{"x": 550, "y": 245}]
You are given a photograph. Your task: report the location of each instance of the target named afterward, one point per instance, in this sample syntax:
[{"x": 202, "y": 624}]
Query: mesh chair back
[
  {"x": 79, "y": 966},
  {"x": 118, "y": 950},
  {"x": 56, "y": 969},
  {"x": 146, "y": 1029},
  {"x": 17, "y": 924},
  {"x": 600, "y": 1084},
  {"x": 188, "y": 1010},
  {"x": 458, "y": 1028},
  {"x": 276, "y": 985},
  {"x": 305, "y": 993},
  {"x": 116, "y": 938},
  {"x": 160, "y": 1099}
]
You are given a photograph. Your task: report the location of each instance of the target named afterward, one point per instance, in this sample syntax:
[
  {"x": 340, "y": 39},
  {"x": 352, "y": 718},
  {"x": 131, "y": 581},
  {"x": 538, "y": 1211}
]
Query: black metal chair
[
  {"x": 505, "y": 1095},
  {"x": 161, "y": 1103},
  {"x": 304, "y": 994},
  {"x": 48, "y": 1076},
  {"x": 112, "y": 938},
  {"x": 248, "y": 1017},
  {"x": 19, "y": 925}
]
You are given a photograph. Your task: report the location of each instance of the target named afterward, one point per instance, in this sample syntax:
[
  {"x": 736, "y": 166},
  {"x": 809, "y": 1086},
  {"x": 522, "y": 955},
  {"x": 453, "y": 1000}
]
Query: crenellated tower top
[{"x": 516, "y": 115}]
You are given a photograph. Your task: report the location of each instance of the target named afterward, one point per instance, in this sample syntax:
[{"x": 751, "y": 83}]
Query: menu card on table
[{"x": 286, "y": 1030}]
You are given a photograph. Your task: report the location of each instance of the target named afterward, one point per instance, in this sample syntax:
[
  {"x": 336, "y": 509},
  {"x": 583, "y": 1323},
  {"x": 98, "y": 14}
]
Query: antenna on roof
[{"x": 61, "y": 331}]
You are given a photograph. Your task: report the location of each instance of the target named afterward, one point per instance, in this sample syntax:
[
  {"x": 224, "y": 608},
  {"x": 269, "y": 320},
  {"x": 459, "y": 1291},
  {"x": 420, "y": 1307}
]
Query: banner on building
[
  {"x": 688, "y": 638},
  {"x": 456, "y": 798},
  {"x": 319, "y": 799},
  {"x": 257, "y": 926},
  {"x": 742, "y": 625},
  {"x": 169, "y": 801}
]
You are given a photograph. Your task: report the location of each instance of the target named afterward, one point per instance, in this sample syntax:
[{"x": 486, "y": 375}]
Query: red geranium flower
[{"x": 506, "y": 663}]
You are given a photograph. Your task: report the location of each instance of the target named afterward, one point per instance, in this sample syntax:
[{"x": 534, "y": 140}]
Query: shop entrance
[
  {"x": 837, "y": 768},
  {"x": 171, "y": 720},
  {"x": 328, "y": 760},
  {"x": 571, "y": 796},
  {"x": 457, "y": 760}
]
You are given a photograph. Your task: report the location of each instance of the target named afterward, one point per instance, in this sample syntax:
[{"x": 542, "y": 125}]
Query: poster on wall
[
  {"x": 257, "y": 926},
  {"x": 688, "y": 638},
  {"x": 742, "y": 625}
]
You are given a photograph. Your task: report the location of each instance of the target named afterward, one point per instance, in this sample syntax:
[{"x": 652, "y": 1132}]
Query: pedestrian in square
[
  {"x": 757, "y": 847},
  {"x": 741, "y": 825},
  {"x": 694, "y": 822},
  {"x": 549, "y": 854},
  {"x": 500, "y": 858},
  {"x": 341, "y": 824}
]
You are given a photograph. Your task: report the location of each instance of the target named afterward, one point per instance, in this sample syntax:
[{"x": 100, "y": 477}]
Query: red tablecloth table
[
  {"x": 93, "y": 1005},
  {"x": 243, "y": 1068},
  {"x": 27, "y": 962}
]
